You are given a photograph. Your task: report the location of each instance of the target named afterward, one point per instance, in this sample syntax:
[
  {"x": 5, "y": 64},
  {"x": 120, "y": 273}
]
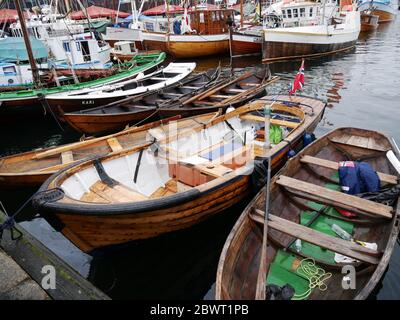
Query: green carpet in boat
[{"x": 285, "y": 267}]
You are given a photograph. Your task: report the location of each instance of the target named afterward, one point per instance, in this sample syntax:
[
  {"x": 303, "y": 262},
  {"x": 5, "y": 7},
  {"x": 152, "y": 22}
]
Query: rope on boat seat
[{"x": 315, "y": 275}]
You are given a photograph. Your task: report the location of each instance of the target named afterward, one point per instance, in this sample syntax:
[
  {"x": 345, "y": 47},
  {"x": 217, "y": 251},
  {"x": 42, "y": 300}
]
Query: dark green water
[{"x": 363, "y": 90}]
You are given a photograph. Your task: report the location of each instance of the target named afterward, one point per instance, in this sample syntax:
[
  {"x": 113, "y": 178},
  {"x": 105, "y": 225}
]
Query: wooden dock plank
[
  {"x": 342, "y": 200},
  {"x": 386, "y": 178},
  {"x": 31, "y": 255}
]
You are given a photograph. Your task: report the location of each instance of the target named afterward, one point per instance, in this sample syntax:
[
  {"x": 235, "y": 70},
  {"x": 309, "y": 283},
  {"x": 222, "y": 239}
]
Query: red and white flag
[{"x": 298, "y": 82}]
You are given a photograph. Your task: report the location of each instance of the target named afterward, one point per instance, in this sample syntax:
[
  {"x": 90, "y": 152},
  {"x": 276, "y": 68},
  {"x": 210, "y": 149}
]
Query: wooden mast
[
  {"x": 241, "y": 13},
  {"x": 35, "y": 71}
]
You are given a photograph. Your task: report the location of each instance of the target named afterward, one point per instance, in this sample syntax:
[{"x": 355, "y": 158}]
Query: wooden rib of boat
[
  {"x": 13, "y": 103},
  {"x": 115, "y": 116},
  {"x": 179, "y": 178},
  {"x": 185, "y": 99},
  {"x": 88, "y": 98},
  {"x": 304, "y": 199},
  {"x": 369, "y": 22},
  {"x": 32, "y": 168}
]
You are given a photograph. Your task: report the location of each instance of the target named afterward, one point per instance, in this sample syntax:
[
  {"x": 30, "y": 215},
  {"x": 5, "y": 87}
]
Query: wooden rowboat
[
  {"x": 177, "y": 179},
  {"x": 32, "y": 168},
  {"x": 185, "y": 99},
  {"x": 94, "y": 97},
  {"x": 117, "y": 115},
  {"x": 304, "y": 204}
]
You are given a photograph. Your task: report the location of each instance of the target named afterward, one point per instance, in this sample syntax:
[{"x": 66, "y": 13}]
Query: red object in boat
[
  {"x": 98, "y": 12},
  {"x": 346, "y": 213}
]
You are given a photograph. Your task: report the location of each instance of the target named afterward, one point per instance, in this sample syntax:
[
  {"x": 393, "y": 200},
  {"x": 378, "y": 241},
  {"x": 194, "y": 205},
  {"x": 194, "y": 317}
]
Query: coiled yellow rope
[{"x": 315, "y": 275}]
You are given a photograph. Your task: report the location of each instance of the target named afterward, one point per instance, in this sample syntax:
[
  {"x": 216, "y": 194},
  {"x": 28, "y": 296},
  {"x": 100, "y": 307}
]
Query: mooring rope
[{"x": 315, "y": 275}]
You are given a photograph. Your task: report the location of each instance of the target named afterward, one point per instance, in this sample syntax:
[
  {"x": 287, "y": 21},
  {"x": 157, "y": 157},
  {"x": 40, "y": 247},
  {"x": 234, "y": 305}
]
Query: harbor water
[{"x": 362, "y": 88}]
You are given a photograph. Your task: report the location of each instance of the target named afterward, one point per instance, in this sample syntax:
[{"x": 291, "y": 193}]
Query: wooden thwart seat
[
  {"x": 359, "y": 142},
  {"x": 220, "y": 96},
  {"x": 235, "y": 90},
  {"x": 386, "y": 178},
  {"x": 347, "y": 248},
  {"x": 67, "y": 157},
  {"x": 288, "y": 124},
  {"x": 335, "y": 198},
  {"x": 114, "y": 144}
]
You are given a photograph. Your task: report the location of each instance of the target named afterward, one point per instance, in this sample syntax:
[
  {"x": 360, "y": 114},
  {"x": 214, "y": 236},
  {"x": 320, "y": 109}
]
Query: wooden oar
[{"x": 262, "y": 271}]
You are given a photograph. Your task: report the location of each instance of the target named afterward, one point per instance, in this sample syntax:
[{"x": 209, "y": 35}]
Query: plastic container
[{"x": 341, "y": 233}]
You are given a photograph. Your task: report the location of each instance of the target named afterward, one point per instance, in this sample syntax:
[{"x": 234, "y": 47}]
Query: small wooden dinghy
[
  {"x": 194, "y": 97},
  {"x": 31, "y": 169},
  {"x": 304, "y": 204},
  {"x": 92, "y": 97},
  {"x": 117, "y": 115},
  {"x": 177, "y": 179}
]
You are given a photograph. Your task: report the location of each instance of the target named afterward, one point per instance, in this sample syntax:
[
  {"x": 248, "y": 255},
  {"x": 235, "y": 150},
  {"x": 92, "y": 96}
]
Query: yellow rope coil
[{"x": 315, "y": 275}]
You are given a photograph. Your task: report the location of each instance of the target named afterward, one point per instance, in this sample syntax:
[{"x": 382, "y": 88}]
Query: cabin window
[
  {"x": 302, "y": 12},
  {"x": 78, "y": 46},
  {"x": 295, "y": 13},
  {"x": 289, "y": 13},
  {"x": 214, "y": 16},
  {"x": 66, "y": 47},
  {"x": 9, "y": 70},
  {"x": 284, "y": 13},
  {"x": 311, "y": 12},
  {"x": 201, "y": 15}
]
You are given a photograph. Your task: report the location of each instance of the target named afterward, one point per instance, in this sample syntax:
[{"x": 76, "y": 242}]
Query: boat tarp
[
  {"x": 13, "y": 49},
  {"x": 95, "y": 12}
]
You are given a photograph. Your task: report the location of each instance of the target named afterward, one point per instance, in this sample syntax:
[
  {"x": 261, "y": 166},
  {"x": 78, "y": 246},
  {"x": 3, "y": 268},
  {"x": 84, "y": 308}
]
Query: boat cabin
[
  {"x": 304, "y": 13},
  {"x": 14, "y": 75},
  {"x": 210, "y": 21},
  {"x": 125, "y": 48}
]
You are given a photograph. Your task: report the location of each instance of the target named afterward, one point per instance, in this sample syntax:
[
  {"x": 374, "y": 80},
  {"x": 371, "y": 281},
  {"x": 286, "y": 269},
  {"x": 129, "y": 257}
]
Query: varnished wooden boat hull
[
  {"x": 246, "y": 45},
  {"x": 97, "y": 123},
  {"x": 384, "y": 16},
  {"x": 92, "y": 227},
  {"x": 368, "y": 27},
  {"x": 197, "y": 49},
  {"x": 280, "y": 51},
  {"x": 240, "y": 258}
]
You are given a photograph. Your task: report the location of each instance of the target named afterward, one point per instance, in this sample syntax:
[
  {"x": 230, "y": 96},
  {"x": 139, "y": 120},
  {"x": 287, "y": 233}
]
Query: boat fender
[
  {"x": 291, "y": 153},
  {"x": 307, "y": 139}
]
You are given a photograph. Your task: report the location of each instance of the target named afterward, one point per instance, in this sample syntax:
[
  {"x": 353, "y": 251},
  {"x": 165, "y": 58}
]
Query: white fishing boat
[
  {"x": 311, "y": 28},
  {"x": 67, "y": 42}
]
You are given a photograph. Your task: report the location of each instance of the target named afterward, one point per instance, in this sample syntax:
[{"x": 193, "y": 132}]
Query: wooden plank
[
  {"x": 347, "y": 248},
  {"x": 159, "y": 79},
  {"x": 342, "y": 200},
  {"x": 32, "y": 255},
  {"x": 235, "y": 90},
  {"x": 220, "y": 96},
  {"x": 214, "y": 170},
  {"x": 67, "y": 157},
  {"x": 114, "y": 144},
  {"x": 358, "y": 143},
  {"x": 387, "y": 178},
  {"x": 117, "y": 193},
  {"x": 190, "y": 87},
  {"x": 288, "y": 124}
]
